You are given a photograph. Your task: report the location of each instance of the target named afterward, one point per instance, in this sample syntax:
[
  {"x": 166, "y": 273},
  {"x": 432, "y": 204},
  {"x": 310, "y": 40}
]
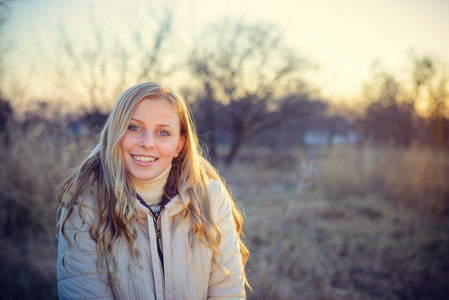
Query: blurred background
[{"x": 328, "y": 119}]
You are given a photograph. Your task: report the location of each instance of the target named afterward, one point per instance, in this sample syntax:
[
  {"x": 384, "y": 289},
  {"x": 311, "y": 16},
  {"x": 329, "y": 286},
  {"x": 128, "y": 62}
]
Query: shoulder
[
  {"x": 217, "y": 191},
  {"x": 83, "y": 210},
  {"x": 214, "y": 186},
  {"x": 87, "y": 200},
  {"x": 219, "y": 199}
]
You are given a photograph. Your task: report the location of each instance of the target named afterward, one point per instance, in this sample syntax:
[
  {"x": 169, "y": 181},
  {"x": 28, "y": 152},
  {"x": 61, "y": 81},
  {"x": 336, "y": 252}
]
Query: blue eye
[
  {"x": 133, "y": 128},
  {"x": 164, "y": 133}
]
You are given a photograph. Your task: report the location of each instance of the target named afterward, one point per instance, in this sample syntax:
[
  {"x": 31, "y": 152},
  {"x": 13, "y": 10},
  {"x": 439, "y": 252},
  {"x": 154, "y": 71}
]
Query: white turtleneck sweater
[{"x": 152, "y": 190}]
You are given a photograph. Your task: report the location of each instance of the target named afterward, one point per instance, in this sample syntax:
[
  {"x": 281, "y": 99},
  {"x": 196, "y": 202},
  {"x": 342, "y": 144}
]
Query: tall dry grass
[
  {"x": 33, "y": 161},
  {"x": 368, "y": 229},
  {"x": 416, "y": 177},
  {"x": 31, "y": 165}
]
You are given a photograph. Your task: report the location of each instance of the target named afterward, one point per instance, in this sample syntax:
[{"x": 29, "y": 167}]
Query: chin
[{"x": 145, "y": 177}]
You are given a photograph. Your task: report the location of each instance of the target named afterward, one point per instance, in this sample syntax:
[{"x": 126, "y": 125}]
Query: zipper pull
[
  {"x": 156, "y": 216},
  {"x": 158, "y": 232}
]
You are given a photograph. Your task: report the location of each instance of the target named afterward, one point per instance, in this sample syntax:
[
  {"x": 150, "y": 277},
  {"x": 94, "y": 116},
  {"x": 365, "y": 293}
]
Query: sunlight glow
[{"x": 343, "y": 38}]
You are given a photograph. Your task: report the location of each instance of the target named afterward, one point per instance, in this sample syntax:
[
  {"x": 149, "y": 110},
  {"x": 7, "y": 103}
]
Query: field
[
  {"x": 347, "y": 222},
  {"x": 354, "y": 232}
]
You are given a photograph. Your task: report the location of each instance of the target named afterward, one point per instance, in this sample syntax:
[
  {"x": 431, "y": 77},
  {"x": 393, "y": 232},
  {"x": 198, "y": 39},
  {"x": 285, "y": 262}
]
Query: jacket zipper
[{"x": 156, "y": 216}]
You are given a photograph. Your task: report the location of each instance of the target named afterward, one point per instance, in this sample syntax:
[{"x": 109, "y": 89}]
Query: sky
[{"x": 342, "y": 37}]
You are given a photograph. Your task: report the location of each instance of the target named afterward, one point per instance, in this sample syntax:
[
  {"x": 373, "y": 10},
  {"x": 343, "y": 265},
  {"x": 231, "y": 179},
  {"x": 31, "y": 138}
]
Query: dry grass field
[
  {"x": 367, "y": 223},
  {"x": 371, "y": 225}
]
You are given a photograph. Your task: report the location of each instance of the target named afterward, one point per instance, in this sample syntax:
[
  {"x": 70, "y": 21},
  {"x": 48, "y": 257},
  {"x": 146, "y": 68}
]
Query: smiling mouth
[{"x": 144, "y": 158}]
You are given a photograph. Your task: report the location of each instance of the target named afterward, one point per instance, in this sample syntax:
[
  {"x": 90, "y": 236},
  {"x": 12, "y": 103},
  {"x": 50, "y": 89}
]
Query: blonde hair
[{"x": 103, "y": 174}]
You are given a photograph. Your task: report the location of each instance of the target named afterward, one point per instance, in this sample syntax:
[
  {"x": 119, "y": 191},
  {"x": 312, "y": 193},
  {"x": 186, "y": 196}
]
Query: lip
[{"x": 141, "y": 163}]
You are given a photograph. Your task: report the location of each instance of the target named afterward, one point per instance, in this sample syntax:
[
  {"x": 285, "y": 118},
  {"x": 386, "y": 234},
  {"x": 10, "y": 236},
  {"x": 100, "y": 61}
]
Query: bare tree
[
  {"x": 413, "y": 109},
  {"x": 4, "y": 44},
  {"x": 430, "y": 80},
  {"x": 93, "y": 70},
  {"x": 248, "y": 68},
  {"x": 6, "y": 110}
]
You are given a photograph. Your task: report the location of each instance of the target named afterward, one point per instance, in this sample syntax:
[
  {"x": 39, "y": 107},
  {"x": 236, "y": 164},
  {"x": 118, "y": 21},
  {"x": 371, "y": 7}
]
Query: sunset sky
[{"x": 343, "y": 37}]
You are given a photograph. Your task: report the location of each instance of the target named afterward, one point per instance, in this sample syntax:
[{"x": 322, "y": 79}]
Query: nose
[{"x": 147, "y": 141}]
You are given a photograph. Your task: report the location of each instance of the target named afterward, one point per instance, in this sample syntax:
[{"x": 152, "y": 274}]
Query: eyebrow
[{"x": 161, "y": 125}]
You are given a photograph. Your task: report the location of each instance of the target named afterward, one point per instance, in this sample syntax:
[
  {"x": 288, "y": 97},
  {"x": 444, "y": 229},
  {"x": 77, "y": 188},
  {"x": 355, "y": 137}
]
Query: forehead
[{"x": 155, "y": 109}]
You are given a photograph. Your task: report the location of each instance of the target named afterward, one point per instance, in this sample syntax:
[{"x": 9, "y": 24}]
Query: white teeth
[{"x": 144, "y": 158}]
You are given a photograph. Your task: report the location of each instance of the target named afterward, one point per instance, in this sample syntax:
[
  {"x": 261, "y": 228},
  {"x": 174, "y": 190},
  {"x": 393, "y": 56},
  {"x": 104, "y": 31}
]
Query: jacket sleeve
[
  {"x": 221, "y": 286},
  {"x": 79, "y": 277}
]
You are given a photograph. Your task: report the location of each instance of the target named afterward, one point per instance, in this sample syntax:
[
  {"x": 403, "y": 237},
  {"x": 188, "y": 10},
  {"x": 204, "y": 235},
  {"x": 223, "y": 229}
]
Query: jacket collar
[{"x": 169, "y": 197}]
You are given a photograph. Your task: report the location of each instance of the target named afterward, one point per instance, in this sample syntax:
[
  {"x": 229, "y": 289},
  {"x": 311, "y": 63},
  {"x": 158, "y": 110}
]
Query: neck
[{"x": 152, "y": 190}]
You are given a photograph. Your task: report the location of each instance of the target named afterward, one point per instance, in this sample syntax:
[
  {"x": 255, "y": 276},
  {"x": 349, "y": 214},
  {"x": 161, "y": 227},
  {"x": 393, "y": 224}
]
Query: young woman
[{"x": 145, "y": 216}]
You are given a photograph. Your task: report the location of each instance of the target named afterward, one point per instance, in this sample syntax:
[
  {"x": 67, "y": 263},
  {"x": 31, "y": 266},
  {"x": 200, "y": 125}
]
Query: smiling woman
[
  {"x": 145, "y": 216},
  {"x": 152, "y": 140}
]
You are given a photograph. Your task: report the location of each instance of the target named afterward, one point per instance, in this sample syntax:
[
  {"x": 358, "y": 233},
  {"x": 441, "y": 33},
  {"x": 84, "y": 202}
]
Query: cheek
[
  {"x": 168, "y": 149},
  {"x": 126, "y": 143}
]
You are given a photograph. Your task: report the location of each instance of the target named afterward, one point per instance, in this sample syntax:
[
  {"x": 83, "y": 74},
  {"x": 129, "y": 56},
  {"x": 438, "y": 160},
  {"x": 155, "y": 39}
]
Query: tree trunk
[
  {"x": 237, "y": 139},
  {"x": 211, "y": 122},
  {"x": 235, "y": 147}
]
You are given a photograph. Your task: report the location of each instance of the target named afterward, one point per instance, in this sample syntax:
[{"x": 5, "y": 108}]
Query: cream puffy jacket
[{"x": 186, "y": 274}]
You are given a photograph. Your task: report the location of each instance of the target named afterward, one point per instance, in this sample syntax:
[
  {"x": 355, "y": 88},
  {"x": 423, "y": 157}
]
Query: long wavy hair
[{"x": 103, "y": 174}]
